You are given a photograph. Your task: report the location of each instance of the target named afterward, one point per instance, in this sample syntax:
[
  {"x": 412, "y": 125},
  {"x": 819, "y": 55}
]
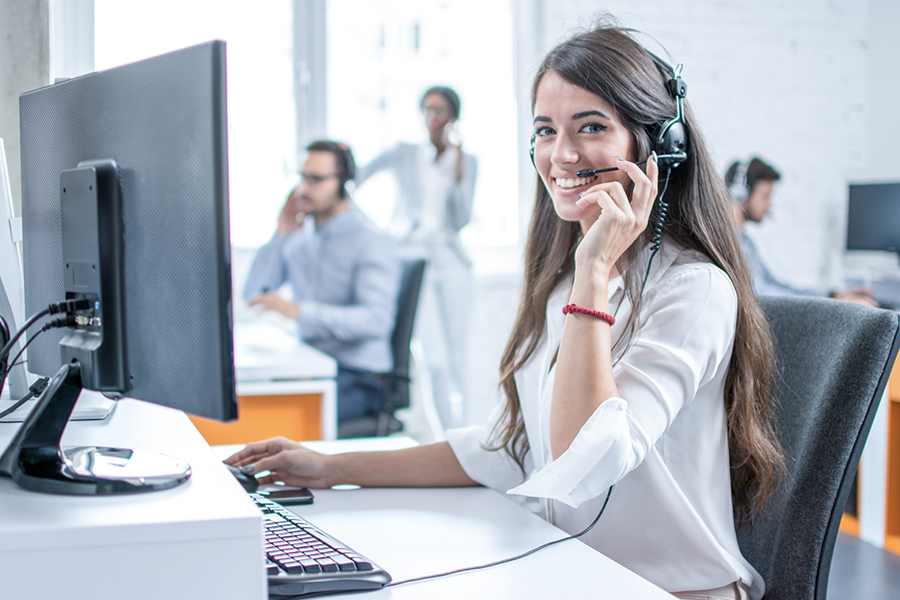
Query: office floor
[{"x": 860, "y": 570}]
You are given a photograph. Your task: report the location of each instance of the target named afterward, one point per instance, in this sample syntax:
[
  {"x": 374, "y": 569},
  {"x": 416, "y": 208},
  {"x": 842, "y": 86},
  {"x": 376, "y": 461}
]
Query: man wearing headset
[
  {"x": 344, "y": 275},
  {"x": 750, "y": 184}
]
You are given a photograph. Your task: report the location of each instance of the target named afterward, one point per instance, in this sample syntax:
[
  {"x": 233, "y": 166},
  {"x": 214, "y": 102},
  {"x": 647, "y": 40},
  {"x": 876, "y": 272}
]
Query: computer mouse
[{"x": 247, "y": 481}]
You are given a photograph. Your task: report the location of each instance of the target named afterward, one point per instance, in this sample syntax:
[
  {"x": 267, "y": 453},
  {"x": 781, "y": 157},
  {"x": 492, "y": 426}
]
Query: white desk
[
  {"x": 203, "y": 539},
  {"x": 414, "y": 532},
  {"x": 198, "y": 540},
  {"x": 265, "y": 351}
]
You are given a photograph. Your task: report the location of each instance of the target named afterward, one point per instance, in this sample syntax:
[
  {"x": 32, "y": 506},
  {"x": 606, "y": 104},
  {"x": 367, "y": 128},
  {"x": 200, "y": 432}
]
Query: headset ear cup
[
  {"x": 349, "y": 170},
  {"x": 671, "y": 145},
  {"x": 739, "y": 190}
]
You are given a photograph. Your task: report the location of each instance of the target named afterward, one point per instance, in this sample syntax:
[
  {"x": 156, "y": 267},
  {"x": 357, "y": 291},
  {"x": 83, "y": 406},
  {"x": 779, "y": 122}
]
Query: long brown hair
[{"x": 608, "y": 62}]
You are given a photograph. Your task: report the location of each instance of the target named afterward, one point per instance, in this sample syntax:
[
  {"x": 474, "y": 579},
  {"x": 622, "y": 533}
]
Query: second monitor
[{"x": 873, "y": 217}]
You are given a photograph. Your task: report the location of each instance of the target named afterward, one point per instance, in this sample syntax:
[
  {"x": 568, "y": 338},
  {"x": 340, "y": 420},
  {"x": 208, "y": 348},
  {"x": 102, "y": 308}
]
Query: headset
[
  {"x": 346, "y": 166},
  {"x": 739, "y": 188},
  {"x": 670, "y": 142},
  {"x": 670, "y": 139}
]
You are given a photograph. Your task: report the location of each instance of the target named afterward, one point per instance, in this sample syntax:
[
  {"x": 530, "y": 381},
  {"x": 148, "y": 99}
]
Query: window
[
  {"x": 380, "y": 56},
  {"x": 359, "y": 82},
  {"x": 261, "y": 108}
]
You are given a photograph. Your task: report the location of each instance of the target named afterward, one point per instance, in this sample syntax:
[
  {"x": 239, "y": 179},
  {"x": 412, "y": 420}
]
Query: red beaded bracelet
[{"x": 597, "y": 314}]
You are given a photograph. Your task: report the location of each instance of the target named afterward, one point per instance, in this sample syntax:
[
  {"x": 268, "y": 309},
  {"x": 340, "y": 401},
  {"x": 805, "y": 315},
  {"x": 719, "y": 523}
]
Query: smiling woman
[
  {"x": 639, "y": 357},
  {"x": 570, "y": 137},
  {"x": 615, "y": 396}
]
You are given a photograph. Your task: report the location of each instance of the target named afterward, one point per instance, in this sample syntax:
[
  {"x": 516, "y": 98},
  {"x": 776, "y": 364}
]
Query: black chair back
[
  {"x": 397, "y": 381},
  {"x": 834, "y": 360},
  {"x": 411, "y": 275}
]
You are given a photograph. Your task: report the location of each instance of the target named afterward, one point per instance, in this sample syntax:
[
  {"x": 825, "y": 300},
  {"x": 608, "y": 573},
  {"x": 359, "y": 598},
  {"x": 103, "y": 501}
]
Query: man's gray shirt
[
  {"x": 345, "y": 276},
  {"x": 764, "y": 281}
]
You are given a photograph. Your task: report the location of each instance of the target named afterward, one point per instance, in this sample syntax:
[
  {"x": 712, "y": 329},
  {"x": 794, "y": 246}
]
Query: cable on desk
[
  {"x": 38, "y": 387},
  {"x": 512, "y": 558}
]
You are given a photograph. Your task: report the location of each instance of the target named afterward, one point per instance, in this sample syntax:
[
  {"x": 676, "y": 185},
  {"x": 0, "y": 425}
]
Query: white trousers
[{"x": 442, "y": 325}]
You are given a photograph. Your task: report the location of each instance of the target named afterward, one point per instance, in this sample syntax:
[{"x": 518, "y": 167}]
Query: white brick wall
[
  {"x": 884, "y": 90},
  {"x": 785, "y": 80},
  {"x": 24, "y": 65},
  {"x": 808, "y": 84}
]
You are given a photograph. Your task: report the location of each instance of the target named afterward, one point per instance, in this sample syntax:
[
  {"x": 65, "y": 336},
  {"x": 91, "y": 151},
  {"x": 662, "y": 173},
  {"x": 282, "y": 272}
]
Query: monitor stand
[{"x": 36, "y": 461}]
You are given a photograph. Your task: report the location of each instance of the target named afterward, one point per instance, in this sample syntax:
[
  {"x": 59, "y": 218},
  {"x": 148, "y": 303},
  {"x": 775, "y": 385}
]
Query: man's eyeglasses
[{"x": 315, "y": 178}]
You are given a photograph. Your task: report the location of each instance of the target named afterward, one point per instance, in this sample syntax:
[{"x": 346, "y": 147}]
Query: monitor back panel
[{"x": 163, "y": 120}]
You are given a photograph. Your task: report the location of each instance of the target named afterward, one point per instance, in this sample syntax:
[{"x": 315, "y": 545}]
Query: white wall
[
  {"x": 883, "y": 100},
  {"x": 493, "y": 313},
  {"x": 810, "y": 85},
  {"x": 24, "y": 64},
  {"x": 785, "y": 80}
]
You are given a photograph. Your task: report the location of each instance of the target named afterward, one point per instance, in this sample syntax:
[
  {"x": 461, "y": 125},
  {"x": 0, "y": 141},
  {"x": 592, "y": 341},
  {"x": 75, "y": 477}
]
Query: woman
[
  {"x": 436, "y": 182},
  {"x": 656, "y": 404}
]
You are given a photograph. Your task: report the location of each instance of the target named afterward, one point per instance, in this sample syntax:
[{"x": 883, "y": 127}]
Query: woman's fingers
[
  {"x": 607, "y": 205},
  {"x": 618, "y": 208},
  {"x": 644, "y": 187},
  {"x": 244, "y": 455},
  {"x": 255, "y": 450},
  {"x": 271, "y": 463},
  {"x": 617, "y": 192},
  {"x": 653, "y": 175}
]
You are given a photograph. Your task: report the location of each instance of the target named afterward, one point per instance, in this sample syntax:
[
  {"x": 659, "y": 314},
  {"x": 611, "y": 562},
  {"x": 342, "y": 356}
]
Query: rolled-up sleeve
[
  {"x": 491, "y": 468},
  {"x": 686, "y": 336}
]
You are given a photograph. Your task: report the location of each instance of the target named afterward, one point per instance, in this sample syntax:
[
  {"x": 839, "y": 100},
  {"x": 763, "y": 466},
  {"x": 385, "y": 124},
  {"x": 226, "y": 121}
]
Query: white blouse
[{"x": 663, "y": 443}]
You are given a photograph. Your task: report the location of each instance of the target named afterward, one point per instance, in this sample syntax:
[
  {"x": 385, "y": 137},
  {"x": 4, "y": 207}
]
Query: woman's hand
[
  {"x": 454, "y": 142},
  {"x": 621, "y": 220},
  {"x": 288, "y": 461}
]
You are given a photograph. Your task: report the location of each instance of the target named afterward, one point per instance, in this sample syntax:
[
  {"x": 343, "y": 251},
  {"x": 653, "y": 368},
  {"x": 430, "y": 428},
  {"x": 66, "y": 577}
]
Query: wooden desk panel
[
  {"x": 892, "y": 518},
  {"x": 295, "y": 416},
  {"x": 851, "y": 524}
]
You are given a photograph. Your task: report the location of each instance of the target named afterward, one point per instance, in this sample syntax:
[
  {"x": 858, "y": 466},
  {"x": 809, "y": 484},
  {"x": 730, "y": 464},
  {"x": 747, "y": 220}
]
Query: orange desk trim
[{"x": 295, "y": 416}]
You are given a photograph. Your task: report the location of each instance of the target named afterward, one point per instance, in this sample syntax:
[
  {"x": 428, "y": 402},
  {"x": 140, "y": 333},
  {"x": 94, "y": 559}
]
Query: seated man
[
  {"x": 750, "y": 185},
  {"x": 344, "y": 275}
]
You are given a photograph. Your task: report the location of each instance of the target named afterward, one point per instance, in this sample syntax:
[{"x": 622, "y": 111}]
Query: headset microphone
[{"x": 668, "y": 160}]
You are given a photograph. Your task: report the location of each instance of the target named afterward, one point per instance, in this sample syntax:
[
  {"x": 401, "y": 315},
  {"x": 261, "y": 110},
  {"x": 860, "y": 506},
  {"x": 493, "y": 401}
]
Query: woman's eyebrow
[
  {"x": 589, "y": 113},
  {"x": 576, "y": 116}
]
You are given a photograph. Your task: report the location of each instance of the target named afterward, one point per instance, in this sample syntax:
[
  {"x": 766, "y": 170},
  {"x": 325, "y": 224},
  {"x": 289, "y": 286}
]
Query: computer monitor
[
  {"x": 873, "y": 217},
  {"x": 125, "y": 204}
]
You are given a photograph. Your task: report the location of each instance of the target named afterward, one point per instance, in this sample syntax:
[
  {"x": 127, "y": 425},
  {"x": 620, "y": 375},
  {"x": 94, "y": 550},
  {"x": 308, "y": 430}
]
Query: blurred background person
[
  {"x": 344, "y": 276},
  {"x": 436, "y": 185},
  {"x": 751, "y": 184}
]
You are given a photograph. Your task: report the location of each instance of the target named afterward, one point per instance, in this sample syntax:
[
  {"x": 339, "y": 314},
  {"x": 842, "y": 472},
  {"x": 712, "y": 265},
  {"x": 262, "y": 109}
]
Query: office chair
[
  {"x": 397, "y": 381},
  {"x": 834, "y": 359}
]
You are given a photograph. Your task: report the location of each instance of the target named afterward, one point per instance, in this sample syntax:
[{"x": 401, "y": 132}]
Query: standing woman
[
  {"x": 436, "y": 182},
  {"x": 637, "y": 379}
]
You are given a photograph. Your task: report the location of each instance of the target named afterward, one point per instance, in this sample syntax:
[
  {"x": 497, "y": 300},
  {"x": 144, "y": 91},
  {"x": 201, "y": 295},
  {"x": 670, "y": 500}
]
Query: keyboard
[{"x": 302, "y": 559}]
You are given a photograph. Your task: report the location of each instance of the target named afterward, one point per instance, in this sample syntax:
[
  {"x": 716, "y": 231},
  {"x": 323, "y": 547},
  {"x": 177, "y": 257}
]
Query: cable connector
[
  {"x": 70, "y": 306},
  {"x": 37, "y": 388},
  {"x": 59, "y": 323}
]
